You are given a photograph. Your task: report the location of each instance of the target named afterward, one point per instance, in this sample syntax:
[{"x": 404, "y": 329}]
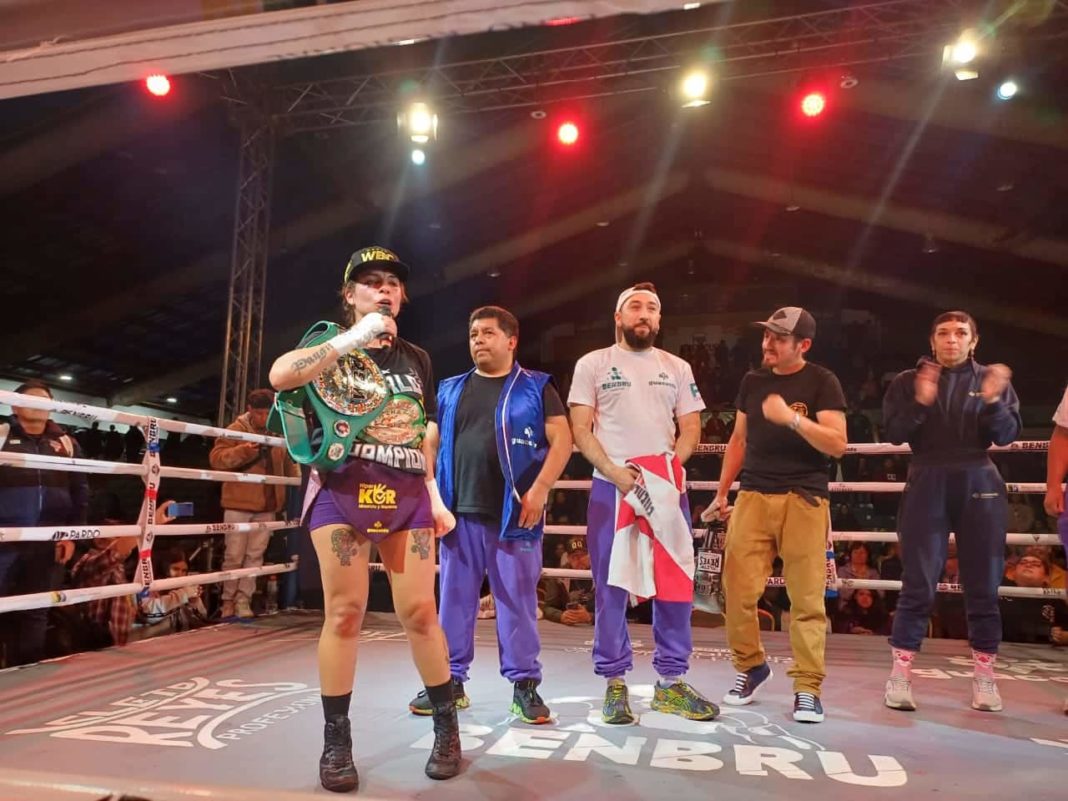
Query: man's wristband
[{"x": 795, "y": 424}]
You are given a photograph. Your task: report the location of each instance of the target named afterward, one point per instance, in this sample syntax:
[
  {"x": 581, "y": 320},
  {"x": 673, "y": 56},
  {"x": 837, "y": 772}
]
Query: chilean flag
[{"x": 652, "y": 552}]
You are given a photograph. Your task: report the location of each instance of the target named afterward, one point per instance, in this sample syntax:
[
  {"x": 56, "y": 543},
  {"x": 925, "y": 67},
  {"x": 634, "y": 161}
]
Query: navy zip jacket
[
  {"x": 31, "y": 497},
  {"x": 959, "y": 426}
]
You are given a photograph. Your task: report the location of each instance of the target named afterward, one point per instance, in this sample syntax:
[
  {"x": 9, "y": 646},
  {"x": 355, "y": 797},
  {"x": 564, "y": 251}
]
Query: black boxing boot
[
  {"x": 336, "y": 769},
  {"x": 444, "y": 762}
]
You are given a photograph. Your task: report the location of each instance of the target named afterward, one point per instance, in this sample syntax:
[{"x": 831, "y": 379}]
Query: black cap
[
  {"x": 791, "y": 320},
  {"x": 375, "y": 257}
]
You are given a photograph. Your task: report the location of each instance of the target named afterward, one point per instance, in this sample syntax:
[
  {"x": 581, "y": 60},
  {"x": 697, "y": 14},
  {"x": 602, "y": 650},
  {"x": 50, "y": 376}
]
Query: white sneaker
[
  {"x": 985, "y": 695},
  {"x": 899, "y": 694},
  {"x": 243, "y": 609}
]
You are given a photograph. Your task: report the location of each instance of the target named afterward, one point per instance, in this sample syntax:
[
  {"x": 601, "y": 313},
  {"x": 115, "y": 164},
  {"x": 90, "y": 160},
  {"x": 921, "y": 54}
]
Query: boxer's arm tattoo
[
  {"x": 305, "y": 362},
  {"x": 422, "y": 538},
  {"x": 343, "y": 543}
]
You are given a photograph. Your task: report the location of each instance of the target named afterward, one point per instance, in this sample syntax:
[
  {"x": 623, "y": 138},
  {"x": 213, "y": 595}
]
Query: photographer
[{"x": 244, "y": 502}]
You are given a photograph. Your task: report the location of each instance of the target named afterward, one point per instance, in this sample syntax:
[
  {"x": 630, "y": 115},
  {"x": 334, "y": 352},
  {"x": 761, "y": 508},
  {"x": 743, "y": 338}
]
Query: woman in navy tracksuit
[
  {"x": 34, "y": 498},
  {"x": 950, "y": 410}
]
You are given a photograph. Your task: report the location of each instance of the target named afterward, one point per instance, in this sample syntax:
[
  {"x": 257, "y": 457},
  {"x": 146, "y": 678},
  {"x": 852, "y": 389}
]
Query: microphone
[{"x": 386, "y": 311}]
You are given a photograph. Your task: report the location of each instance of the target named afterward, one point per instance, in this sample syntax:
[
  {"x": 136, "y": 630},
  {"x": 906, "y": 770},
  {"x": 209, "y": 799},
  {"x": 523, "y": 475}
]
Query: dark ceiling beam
[
  {"x": 622, "y": 204},
  {"x": 941, "y": 225},
  {"x": 104, "y": 126},
  {"x": 957, "y": 110},
  {"x": 1020, "y": 317},
  {"x": 166, "y": 383}
]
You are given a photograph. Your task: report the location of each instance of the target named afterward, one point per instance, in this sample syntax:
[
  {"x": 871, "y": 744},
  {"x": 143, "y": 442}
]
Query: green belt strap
[{"x": 341, "y": 409}]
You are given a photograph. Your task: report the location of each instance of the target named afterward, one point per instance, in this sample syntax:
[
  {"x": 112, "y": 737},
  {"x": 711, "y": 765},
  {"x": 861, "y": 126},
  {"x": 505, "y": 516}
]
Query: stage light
[
  {"x": 66, "y": 377},
  {"x": 172, "y": 399},
  {"x": 964, "y": 51},
  {"x": 418, "y": 157},
  {"x": 567, "y": 133},
  {"x": 694, "y": 89},
  {"x": 1008, "y": 90},
  {"x": 419, "y": 123},
  {"x": 813, "y": 104},
  {"x": 158, "y": 85},
  {"x": 960, "y": 53}
]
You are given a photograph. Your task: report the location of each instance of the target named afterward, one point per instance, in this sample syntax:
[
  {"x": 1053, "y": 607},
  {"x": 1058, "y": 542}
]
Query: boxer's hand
[
  {"x": 995, "y": 380},
  {"x": 623, "y": 477},
  {"x": 444, "y": 520},
  {"x": 776, "y": 411},
  {"x": 370, "y": 327},
  {"x": 533, "y": 505},
  {"x": 717, "y": 510},
  {"x": 927, "y": 383}
]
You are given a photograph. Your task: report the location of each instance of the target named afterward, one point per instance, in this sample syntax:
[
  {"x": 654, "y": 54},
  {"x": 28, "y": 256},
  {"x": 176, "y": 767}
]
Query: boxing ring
[{"x": 231, "y": 711}]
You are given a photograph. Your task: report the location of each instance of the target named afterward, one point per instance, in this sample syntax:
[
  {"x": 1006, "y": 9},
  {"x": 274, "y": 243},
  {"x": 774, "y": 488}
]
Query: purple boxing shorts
[{"x": 373, "y": 499}]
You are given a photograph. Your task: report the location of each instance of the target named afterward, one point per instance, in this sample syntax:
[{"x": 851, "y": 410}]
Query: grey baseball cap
[{"x": 791, "y": 320}]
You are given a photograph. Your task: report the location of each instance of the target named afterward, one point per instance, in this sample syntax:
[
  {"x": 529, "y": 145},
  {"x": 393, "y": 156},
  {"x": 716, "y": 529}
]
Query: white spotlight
[
  {"x": 694, "y": 89},
  {"x": 1008, "y": 90},
  {"x": 418, "y": 157},
  {"x": 419, "y": 123},
  {"x": 965, "y": 51}
]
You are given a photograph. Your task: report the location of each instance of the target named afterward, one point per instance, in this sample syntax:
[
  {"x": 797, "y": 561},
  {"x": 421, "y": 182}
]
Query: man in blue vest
[{"x": 504, "y": 442}]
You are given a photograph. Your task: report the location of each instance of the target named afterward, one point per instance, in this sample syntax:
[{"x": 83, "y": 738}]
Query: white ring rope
[
  {"x": 846, "y": 536},
  {"x": 834, "y": 486},
  {"x": 856, "y": 584},
  {"x": 57, "y": 533},
  {"x": 36, "y": 600},
  {"x": 880, "y": 448},
  {"x": 94, "y": 413},
  {"x": 67, "y": 464}
]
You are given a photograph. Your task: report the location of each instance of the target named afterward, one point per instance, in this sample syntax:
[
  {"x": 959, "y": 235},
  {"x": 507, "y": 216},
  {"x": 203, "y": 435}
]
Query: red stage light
[
  {"x": 159, "y": 85},
  {"x": 563, "y": 21},
  {"x": 813, "y": 104},
  {"x": 567, "y": 133}
]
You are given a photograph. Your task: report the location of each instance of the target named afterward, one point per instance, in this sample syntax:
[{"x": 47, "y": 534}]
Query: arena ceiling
[{"x": 119, "y": 208}]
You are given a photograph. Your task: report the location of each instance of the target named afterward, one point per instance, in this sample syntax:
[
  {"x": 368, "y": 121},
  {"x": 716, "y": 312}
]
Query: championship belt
[{"x": 345, "y": 399}]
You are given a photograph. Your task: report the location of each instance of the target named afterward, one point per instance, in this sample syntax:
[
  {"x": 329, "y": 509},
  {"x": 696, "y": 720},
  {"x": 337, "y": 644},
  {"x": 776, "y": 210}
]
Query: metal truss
[
  {"x": 890, "y": 30},
  {"x": 248, "y": 265}
]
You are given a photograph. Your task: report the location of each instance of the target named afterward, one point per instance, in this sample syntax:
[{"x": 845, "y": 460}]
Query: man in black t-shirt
[
  {"x": 504, "y": 442},
  {"x": 791, "y": 417}
]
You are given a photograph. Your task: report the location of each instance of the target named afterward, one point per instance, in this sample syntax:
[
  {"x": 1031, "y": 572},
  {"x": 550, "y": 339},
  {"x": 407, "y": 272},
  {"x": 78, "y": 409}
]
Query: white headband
[{"x": 626, "y": 294}]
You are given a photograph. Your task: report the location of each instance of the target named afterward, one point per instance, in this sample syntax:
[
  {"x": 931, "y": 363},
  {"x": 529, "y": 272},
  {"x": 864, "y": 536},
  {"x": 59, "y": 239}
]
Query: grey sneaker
[
  {"x": 899, "y": 694},
  {"x": 985, "y": 695}
]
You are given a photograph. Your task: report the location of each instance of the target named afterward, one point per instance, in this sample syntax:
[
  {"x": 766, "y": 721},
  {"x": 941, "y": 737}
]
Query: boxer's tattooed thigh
[
  {"x": 422, "y": 540},
  {"x": 343, "y": 543}
]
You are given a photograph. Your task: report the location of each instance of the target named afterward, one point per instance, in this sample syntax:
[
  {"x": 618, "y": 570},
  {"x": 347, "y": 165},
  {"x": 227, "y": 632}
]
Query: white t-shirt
[
  {"x": 1060, "y": 417},
  {"x": 636, "y": 398}
]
